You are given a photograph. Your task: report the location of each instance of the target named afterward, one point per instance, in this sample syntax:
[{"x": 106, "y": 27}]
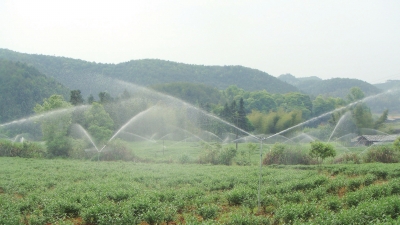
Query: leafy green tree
[
  {"x": 105, "y": 97},
  {"x": 243, "y": 121},
  {"x": 396, "y": 144},
  {"x": 322, "y": 105},
  {"x": 55, "y": 126},
  {"x": 261, "y": 101},
  {"x": 76, "y": 97},
  {"x": 321, "y": 151},
  {"x": 362, "y": 116},
  {"x": 233, "y": 93},
  {"x": 90, "y": 99},
  {"x": 298, "y": 101},
  {"x": 99, "y": 123},
  {"x": 355, "y": 94},
  {"x": 379, "y": 122}
]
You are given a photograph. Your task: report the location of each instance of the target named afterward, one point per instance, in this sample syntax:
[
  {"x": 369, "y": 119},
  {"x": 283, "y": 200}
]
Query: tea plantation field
[{"x": 43, "y": 191}]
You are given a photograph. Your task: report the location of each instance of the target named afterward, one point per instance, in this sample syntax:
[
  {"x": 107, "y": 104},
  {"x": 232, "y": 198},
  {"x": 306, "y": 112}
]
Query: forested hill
[
  {"x": 77, "y": 74},
  {"x": 22, "y": 87},
  {"x": 336, "y": 87}
]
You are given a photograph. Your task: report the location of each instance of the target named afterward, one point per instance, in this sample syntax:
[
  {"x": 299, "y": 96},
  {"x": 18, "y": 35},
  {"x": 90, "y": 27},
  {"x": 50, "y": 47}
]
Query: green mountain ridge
[
  {"x": 335, "y": 87},
  {"x": 22, "y": 87},
  {"x": 79, "y": 74}
]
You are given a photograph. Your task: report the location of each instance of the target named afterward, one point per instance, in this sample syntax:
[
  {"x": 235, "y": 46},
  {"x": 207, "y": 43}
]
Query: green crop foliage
[{"x": 64, "y": 191}]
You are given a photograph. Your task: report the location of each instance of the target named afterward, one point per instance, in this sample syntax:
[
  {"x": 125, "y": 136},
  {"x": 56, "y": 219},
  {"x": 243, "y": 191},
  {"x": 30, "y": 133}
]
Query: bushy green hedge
[
  {"x": 382, "y": 153},
  {"x": 287, "y": 155},
  {"x": 25, "y": 149}
]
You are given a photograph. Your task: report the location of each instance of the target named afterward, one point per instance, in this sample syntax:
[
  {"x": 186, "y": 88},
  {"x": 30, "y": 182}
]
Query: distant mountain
[
  {"x": 22, "y": 87},
  {"x": 336, "y": 87},
  {"x": 295, "y": 81},
  {"x": 390, "y": 84},
  {"x": 88, "y": 76},
  {"x": 192, "y": 93}
]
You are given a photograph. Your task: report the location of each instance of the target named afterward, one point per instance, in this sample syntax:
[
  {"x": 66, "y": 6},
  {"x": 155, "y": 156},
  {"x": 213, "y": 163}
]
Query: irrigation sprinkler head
[{"x": 102, "y": 148}]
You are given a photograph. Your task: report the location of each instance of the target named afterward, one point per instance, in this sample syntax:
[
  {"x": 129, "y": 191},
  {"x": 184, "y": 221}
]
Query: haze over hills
[
  {"x": 22, "y": 87},
  {"x": 78, "y": 74},
  {"x": 389, "y": 84},
  {"x": 335, "y": 87}
]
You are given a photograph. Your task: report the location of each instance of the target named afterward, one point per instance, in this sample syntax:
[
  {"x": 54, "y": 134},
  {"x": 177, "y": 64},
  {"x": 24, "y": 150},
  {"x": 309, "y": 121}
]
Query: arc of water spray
[
  {"x": 46, "y": 114},
  {"x": 87, "y": 135},
  {"x": 337, "y": 124},
  {"x": 136, "y": 135},
  {"x": 130, "y": 121}
]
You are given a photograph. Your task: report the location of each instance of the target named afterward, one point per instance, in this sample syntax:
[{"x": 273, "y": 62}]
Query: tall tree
[
  {"x": 99, "y": 123},
  {"x": 362, "y": 116},
  {"x": 105, "y": 97},
  {"x": 55, "y": 126},
  {"x": 379, "y": 122},
  {"x": 90, "y": 99},
  {"x": 76, "y": 97},
  {"x": 355, "y": 94}
]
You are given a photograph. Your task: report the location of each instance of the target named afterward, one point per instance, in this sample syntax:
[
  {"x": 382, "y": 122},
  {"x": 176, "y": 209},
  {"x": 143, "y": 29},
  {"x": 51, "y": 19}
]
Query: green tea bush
[
  {"x": 208, "y": 211},
  {"x": 355, "y": 183},
  {"x": 354, "y": 198},
  {"x": 382, "y": 153},
  {"x": 369, "y": 179},
  {"x": 382, "y": 211},
  {"x": 289, "y": 213},
  {"x": 247, "y": 219},
  {"x": 239, "y": 195},
  {"x": 333, "y": 203},
  {"x": 295, "y": 197},
  {"x": 395, "y": 186}
]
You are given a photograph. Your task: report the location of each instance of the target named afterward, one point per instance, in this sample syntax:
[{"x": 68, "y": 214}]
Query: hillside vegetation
[
  {"x": 335, "y": 87},
  {"x": 77, "y": 74},
  {"x": 22, "y": 87}
]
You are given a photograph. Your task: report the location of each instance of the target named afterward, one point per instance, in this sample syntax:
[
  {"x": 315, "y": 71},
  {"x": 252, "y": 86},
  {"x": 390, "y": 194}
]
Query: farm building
[{"x": 369, "y": 140}]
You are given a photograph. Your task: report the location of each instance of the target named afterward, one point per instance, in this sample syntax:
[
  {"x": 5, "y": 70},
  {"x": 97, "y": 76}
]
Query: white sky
[{"x": 325, "y": 38}]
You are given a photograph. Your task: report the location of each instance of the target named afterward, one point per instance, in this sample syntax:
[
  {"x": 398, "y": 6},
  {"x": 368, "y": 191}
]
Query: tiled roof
[{"x": 376, "y": 138}]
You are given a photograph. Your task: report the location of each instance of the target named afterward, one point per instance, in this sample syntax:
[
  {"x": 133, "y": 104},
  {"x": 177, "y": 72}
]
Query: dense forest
[
  {"x": 76, "y": 74},
  {"x": 335, "y": 87},
  {"x": 22, "y": 87},
  {"x": 259, "y": 110}
]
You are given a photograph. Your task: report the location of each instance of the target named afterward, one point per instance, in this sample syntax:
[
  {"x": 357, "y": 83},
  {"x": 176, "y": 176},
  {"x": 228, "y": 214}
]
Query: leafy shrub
[
  {"x": 239, "y": 195},
  {"x": 354, "y": 184},
  {"x": 17, "y": 149},
  {"x": 226, "y": 155},
  {"x": 321, "y": 150},
  {"x": 382, "y": 153},
  {"x": 214, "y": 154},
  {"x": 284, "y": 154},
  {"x": 354, "y": 198},
  {"x": 289, "y": 213},
  {"x": 184, "y": 159},
  {"x": 208, "y": 211},
  {"x": 333, "y": 203},
  {"x": 369, "y": 179},
  {"x": 117, "y": 150},
  {"x": 295, "y": 197},
  {"x": 247, "y": 219},
  {"x": 348, "y": 158}
]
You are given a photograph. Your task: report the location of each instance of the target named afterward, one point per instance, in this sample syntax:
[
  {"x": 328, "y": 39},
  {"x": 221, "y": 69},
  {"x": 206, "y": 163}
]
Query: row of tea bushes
[{"x": 61, "y": 191}]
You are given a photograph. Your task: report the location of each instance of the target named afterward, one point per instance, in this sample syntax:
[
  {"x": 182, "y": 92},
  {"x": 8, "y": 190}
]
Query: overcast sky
[{"x": 324, "y": 38}]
